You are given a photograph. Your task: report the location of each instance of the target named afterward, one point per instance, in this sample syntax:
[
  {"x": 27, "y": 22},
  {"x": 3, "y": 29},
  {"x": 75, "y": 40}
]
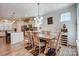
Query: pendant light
[
  {"x": 12, "y": 17},
  {"x": 39, "y": 18}
]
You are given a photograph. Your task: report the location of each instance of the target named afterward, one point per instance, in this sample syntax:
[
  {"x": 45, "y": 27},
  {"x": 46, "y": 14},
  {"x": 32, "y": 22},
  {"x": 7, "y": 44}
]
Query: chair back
[
  {"x": 35, "y": 37},
  {"x": 28, "y": 36}
]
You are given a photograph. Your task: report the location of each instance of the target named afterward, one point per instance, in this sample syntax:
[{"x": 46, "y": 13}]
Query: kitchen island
[{"x": 16, "y": 37}]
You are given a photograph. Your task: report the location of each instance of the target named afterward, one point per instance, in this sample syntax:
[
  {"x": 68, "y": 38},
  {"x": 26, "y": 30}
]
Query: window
[{"x": 65, "y": 17}]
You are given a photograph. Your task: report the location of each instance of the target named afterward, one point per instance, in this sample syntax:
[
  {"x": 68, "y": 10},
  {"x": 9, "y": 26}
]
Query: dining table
[
  {"x": 48, "y": 39},
  {"x": 43, "y": 36}
]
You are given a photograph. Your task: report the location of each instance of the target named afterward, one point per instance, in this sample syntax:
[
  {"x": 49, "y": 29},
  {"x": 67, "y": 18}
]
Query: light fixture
[
  {"x": 12, "y": 17},
  {"x": 12, "y": 22},
  {"x": 39, "y": 18}
]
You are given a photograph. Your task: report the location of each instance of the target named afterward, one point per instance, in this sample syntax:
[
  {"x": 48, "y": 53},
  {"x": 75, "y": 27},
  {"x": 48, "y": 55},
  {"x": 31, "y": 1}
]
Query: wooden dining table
[
  {"x": 43, "y": 36},
  {"x": 47, "y": 39}
]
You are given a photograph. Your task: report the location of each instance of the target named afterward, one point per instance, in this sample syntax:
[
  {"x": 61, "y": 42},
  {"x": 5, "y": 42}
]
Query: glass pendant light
[{"x": 38, "y": 19}]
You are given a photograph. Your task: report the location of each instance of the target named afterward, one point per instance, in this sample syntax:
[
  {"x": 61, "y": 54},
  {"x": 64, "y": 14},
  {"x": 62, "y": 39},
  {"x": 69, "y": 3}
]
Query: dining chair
[
  {"x": 47, "y": 34},
  {"x": 54, "y": 43},
  {"x": 36, "y": 41},
  {"x": 28, "y": 38}
]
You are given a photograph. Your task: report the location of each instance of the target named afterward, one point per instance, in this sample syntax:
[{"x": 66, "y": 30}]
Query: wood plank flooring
[
  {"x": 19, "y": 50},
  {"x": 14, "y": 50}
]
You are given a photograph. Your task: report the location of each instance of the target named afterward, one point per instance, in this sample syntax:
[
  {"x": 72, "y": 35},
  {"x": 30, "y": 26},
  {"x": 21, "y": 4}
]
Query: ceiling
[{"x": 28, "y": 9}]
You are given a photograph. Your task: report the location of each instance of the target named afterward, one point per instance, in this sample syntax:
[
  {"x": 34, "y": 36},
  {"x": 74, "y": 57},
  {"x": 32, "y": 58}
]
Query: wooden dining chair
[
  {"x": 47, "y": 34},
  {"x": 28, "y": 38},
  {"x": 36, "y": 41},
  {"x": 57, "y": 43},
  {"x": 54, "y": 43}
]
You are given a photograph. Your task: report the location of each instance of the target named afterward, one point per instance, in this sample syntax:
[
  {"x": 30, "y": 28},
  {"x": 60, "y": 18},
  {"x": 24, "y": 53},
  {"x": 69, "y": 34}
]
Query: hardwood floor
[
  {"x": 14, "y": 50},
  {"x": 19, "y": 50}
]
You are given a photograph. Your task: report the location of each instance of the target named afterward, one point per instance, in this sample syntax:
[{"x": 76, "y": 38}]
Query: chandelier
[{"x": 39, "y": 18}]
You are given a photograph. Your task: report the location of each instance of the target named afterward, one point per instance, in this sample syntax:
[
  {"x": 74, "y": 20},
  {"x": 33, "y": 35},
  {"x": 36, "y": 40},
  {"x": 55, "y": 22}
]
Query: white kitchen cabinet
[{"x": 16, "y": 37}]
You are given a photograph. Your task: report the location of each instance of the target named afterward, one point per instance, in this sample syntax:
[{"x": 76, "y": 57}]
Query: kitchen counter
[{"x": 16, "y": 37}]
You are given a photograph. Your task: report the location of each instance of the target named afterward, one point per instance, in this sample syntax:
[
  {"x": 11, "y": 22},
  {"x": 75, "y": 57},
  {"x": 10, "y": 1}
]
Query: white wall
[
  {"x": 78, "y": 21},
  {"x": 56, "y": 26}
]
